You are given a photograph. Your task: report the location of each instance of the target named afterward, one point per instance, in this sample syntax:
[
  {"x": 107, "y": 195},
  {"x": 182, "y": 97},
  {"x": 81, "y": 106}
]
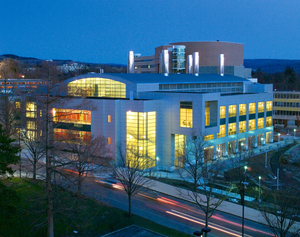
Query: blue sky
[{"x": 103, "y": 31}]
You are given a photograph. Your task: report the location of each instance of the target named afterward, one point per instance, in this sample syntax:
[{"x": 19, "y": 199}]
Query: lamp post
[
  {"x": 294, "y": 133},
  {"x": 278, "y": 137},
  {"x": 157, "y": 159},
  {"x": 243, "y": 201},
  {"x": 259, "y": 179}
]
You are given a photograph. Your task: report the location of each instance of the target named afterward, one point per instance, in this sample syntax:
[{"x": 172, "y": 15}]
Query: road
[{"x": 169, "y": 211}]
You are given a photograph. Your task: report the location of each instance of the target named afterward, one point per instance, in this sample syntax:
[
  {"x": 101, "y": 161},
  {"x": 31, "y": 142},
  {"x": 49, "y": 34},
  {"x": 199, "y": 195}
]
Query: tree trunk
[
  {"x": 34, "y": 170},
  {"x": 79, "y": 184},
  {"x": 129, "y": 204}
]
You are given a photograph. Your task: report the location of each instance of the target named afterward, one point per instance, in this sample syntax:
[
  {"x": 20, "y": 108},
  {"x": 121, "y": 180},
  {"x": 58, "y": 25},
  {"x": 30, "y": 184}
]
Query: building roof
[{"x": 140, "y": 78}]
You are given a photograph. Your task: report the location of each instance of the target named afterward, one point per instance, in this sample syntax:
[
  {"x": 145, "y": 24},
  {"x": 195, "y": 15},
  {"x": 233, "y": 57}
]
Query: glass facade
[
  {"x": 269, "y": 105},
  {"x": 63, "y": 135},
  {"x": 251, "y": 125},
  {"x": 178, "y": 59},
  {"x": 231, "y": 128},
  {"x": 31, "y": 110},
  {"x": 31, "y": 125},
  {"x": 186, "y": 114},
  {"x": 269, "y": 121},
  {"x": 207, "y": 113},
  {"x": 222, "y": 132},
  {"x": 232, "y": 110},
  {"x": 260, "y": 123},
  {"x": 180, "y": 143},
  {"x": 97, "y": 87},
  {"x": 209, "y": 137},
  {"x": 72, "y": 116},
  {"x": 261, "y": 107},
  {"x": 222, "y": 112},
  {"x": 252, "y": 108},
  {"x": 242, "y": 109},
  {"x": 242, "y": 127},
  {"x": 141, "y": 138}
]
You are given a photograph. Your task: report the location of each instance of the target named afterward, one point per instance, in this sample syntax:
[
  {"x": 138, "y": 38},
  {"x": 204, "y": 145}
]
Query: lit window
[
  {"x": 209, "y": 137},
  {"x": 222, "y": 132},
  {"x": 180, "y": 145},
  {"x": 232, "y": 110},
  {"x": 260, "y": 123},
  {"x": 186, "y": 114},
  {"x": 269, "y": 105},
  {"x": 252, "y": 108},
  {"x": 231, "y": 128},
  {"x": 207, "y": 113},
  {"x": 222, "y": 112},
  {"x": 251, "y": 125},
  {"x": 72, "y": 116},
  {"x": 261, "y": 107},
  {"x": 242, "y": 109},
  {"x": 31, "y": 110},
  {"x": 18, "y": 104},
  {"x": 31, "y": 125},
  {"x": 109, "y": 140},
  {"x": 269, "y": 121},
  {"x": 242, "y": 127},
  {"x": 41, "y": 113},
  {"x": 109, "y": 118},
  {"x": 41, "y": 133}
]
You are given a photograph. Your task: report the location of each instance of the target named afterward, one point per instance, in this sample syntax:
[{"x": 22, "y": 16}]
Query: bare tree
[
  {"x": 203, "y": 174},
  {"x": 131, "y": 168},
  {"x": 80, "y": 155},
  {"x": 283, "y": 212}
]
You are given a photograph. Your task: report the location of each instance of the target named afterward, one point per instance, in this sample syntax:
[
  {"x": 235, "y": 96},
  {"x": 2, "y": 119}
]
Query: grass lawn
[{"x": 88, "y": 217}]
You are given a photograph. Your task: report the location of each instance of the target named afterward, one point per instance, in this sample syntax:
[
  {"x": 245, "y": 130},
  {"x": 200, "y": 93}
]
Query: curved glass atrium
[
  {"x": 178, "y": 59},
  {"x": 97, "y": 87}
]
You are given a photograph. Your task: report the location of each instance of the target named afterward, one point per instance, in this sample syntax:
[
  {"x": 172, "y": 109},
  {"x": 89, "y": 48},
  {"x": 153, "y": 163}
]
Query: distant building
[
  {"x": 182, "y": 59},
  {"x": 286, "y": 108},
  {"x": 72, "y": 67}
]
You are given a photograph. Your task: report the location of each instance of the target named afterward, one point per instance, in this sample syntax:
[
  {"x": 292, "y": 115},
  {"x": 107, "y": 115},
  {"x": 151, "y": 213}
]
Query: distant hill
[{"x": 272, "y": 65}]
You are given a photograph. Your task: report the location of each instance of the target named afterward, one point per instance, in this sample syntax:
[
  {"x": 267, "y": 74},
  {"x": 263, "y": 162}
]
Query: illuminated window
[
  {"x": 261, "y": 107},
  {"x": 186, "y": 114},
  {"x": 141, "y": 139},
  {"x": 222, "y": 112},
  {"x": 269, "y": 121},
  {"x": 31, "y": 135},
  {"x": 180, "y": 143},
  {"x": 222, "y": 132},
  {"x": 31, "y": 125},
  {"x": 242, "y": 109},
  {"x": 208, "y": 137},
  {"x": 260, "y": 123},
  {"x": 97, "y": 87},
  {"x": 232, "y": 110},
  {"x": 72, "y": 116},
  {"x": 41, "y": 133},
  {"x": 207, "y": 113},
  {"x": 18, "y": 104},
  {"x": 41, "y": 113},
  {"x": 251, "y": 125},
  {"x": 242, "y": 127},
  {"x": 30, "y": 109},
  {"x": 109, "y": 118},
  {"x": 63, "y": 135},
  {"x": 252, "y": 108},
  {"x": 269, "y": 105},
  {"x": 109, "y": 140},
  {"x": 231, "y": 128}
]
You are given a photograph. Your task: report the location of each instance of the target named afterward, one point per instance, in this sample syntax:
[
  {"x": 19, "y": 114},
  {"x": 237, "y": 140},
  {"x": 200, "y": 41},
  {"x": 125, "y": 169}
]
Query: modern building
[
  {"x": 183, "y": 56},
  {"x": 157, "y": 113},
  {"x": 286, "y": 108}
]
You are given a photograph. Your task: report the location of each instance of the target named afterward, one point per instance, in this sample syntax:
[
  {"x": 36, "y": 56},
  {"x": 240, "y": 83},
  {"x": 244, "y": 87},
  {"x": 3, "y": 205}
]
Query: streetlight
[
  {"x": 259, "y": 179},
  {"x": 294, "y": 133},
  {"x": 279, "y": 137},
  {"x": 243, "y": 201},
  {"x": 157, "y": 159}
]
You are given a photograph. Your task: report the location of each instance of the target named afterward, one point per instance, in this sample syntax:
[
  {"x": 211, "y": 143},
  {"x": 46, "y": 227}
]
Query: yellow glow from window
[
  {"x": 231, "y": 128},
  {"x": 18, "y": 104},
  {"x": 222, "y": 112},
  {"x": 252, "y": 108},
  {"x": 141, "y": 138},
  {"x": 186, "y": 114},
  {"x": 242, "y": 127},
  {"x": 222, "y": 132},
  {"x": 109, "y": 118},
  {"x": 97, "y": 87},
  {"x": 269, "y": 105},
  {"x": 180, "y": 143},
  {"x": 251, "y": 125},
  {"x": 261, "y": 107},
  {"x": 30, "y": 109},
  {"x": 72, "y": 116},
  {"x": 31, "y": 125},
  {"x": 260, "y": 123},
  {"x": 269, "y": 121},
  {"x": 232, "y": 110},
  {"x": 242, "y": 109},
  {"x": 209, "y": 137}
]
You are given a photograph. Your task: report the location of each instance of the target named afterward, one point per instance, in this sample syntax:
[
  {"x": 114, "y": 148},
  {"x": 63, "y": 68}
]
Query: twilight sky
[{"x": 103, "y": 31}]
